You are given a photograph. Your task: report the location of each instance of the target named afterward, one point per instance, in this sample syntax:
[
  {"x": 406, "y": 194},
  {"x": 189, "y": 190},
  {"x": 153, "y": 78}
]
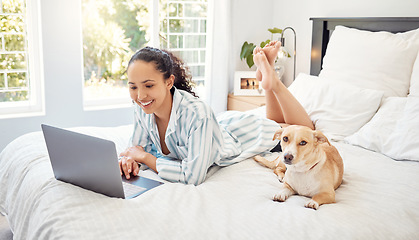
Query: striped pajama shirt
[{"x": 197, "y": 139}]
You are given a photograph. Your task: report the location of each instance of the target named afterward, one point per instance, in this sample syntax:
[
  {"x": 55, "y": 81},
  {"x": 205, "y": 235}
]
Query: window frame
[
  {"x": 201, "y": 61},
  {"x": 35, "y": 105}
]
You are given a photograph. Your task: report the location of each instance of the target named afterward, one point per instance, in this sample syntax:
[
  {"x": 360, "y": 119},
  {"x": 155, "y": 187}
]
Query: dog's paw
[
  {"x": 280, "y": 174},
  {"x": 282, "y": 195},
  {"x": 312, "y": 204}
]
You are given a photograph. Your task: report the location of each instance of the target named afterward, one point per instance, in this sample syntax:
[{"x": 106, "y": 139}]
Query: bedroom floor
[{"x": 5, "y": 233}]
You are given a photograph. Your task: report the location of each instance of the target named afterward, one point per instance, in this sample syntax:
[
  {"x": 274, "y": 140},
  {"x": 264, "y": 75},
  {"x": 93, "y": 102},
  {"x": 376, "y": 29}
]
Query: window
[
  {"x": 113, "y": 30},
  {"x": 20, "y": 65},
  {"x": 184, "y": 33}
]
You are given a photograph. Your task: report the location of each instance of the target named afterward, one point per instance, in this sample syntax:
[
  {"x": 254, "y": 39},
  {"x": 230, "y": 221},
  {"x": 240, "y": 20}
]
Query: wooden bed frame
[{"x": 323, "y": 27}]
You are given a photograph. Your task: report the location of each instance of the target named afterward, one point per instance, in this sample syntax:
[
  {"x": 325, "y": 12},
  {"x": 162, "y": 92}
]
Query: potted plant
[{"x": 247, "y": 48}]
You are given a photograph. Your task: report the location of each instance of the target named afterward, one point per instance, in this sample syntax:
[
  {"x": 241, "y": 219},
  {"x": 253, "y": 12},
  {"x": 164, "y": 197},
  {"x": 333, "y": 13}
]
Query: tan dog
[{"x": 313, "y": 167}]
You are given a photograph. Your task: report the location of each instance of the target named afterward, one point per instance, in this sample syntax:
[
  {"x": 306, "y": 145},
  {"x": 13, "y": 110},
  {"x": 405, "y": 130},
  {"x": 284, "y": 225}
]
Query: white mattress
[{"x": 379, "y": 199}]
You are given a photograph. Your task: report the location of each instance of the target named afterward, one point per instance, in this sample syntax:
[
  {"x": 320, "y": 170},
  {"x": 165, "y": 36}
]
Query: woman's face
[{"x": 148, "y": 88}]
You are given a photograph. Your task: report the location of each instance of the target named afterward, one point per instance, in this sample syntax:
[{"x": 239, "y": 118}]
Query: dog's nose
[{"x": 288, "y": 157}]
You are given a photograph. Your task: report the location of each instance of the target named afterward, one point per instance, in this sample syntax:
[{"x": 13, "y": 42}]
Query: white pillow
[
  {"x": 376, "y": 133},
  {"x": 394, "y": 130},
  {"x": 414, "y": 81},
  {"x": 405, "y": 137},
  {"x": 374, "y": 60},
  {"x": 337, "y": 109}
]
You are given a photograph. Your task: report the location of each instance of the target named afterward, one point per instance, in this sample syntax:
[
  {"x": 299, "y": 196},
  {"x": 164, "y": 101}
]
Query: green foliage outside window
[
  {"x": 13, "y": 66},
  {"x": 112, "y": 31}
]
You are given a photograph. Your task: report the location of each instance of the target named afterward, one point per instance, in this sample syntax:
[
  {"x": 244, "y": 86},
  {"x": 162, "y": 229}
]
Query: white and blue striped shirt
[{"x": 197, "y": 139}]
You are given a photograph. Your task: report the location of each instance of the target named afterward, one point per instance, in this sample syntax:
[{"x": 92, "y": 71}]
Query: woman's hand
[
  {"x": 127, "y": 165},
  {"x": 129, "y": 159}
]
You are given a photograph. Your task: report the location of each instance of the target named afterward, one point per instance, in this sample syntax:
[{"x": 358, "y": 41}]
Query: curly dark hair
[{"x": 168, "y": 64}]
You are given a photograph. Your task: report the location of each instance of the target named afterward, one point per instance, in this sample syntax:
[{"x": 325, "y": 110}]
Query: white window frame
[
  {"x": 202, "y": 93},
  {"x": 35, "y": 106}
]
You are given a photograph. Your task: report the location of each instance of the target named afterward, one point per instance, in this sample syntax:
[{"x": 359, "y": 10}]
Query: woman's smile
[{"x": 145, "y": 103}]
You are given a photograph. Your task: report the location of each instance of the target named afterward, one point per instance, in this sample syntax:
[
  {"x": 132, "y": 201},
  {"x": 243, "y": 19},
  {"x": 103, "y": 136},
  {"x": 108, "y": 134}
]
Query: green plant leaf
[
  {"x": 247, "y": 53},
  {"x": 243, "y": 50},
  {"x": 262, "y": 44},
  {"x": 249, "y": 61},
  {"x": 275, "y": 30},
  {"x": 247, "y": 49}
]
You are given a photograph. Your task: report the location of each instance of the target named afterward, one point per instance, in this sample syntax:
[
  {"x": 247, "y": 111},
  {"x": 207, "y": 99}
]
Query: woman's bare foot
[
  {"x": 269, "y": 79},
  {"x": 271, "y": 51},
  {"x": 256, "y": 50}
]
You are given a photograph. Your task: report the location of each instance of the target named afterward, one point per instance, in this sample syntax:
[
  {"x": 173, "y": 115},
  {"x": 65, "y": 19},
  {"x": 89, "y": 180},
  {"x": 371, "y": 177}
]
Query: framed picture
[{"x": 245, "y": 84}]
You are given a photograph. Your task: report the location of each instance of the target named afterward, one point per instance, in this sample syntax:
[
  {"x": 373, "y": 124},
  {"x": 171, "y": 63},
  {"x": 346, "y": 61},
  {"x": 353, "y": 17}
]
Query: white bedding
[{"x": 379, "y": 199}]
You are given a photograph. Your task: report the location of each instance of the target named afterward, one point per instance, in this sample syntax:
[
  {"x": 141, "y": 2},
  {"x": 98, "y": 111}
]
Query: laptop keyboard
[{"x": 131, "y": 189}]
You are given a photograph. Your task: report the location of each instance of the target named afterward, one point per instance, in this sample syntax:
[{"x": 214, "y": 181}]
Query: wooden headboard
[{"x": 323, "y": 27}]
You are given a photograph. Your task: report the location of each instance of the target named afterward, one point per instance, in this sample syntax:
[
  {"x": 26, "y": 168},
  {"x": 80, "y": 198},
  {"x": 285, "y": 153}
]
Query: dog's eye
[
  {"x": 285, "y": 139},
  {"x": 302, "y": 143}
]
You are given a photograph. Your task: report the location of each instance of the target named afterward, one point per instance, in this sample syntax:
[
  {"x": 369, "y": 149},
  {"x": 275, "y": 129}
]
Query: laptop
[{"x": 91, "y": 163}]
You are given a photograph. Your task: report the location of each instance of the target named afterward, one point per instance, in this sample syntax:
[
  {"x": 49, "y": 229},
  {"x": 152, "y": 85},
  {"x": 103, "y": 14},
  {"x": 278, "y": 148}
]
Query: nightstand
[{"x": 244, "y": 103}]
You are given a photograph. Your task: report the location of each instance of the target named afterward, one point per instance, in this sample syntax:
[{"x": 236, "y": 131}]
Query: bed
[{"x": 368, "y": 110}]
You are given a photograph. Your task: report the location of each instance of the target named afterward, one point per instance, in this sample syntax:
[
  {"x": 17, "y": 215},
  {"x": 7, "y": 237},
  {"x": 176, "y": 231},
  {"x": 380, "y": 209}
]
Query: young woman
[{"x": 178, "y": 136}]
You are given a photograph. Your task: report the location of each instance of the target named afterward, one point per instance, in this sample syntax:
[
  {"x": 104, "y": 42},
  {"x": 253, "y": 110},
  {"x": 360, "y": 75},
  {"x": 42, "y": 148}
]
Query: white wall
[
  {"x": 251, "y": 20},
  {"x": 63, "y": 69}
]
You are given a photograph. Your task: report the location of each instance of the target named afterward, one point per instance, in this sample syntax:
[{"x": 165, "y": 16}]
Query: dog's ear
[
  {"x": 320, "y": 137},
  {"x": 278, "y": 134}
]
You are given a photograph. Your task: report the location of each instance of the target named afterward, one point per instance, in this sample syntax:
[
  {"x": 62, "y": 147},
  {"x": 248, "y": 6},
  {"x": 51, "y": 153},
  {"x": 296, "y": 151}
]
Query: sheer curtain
[{"x": 219, "y": 66}]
